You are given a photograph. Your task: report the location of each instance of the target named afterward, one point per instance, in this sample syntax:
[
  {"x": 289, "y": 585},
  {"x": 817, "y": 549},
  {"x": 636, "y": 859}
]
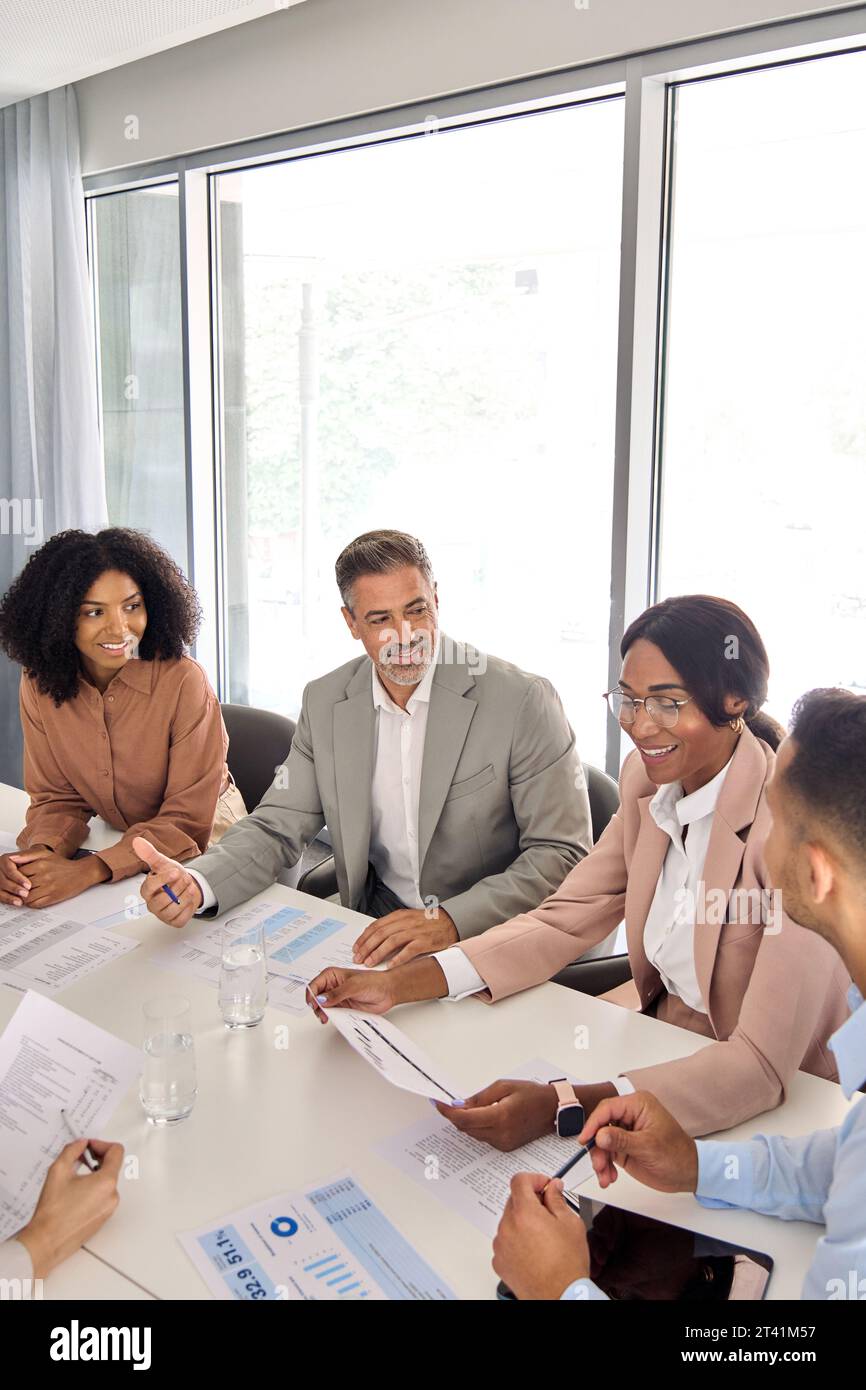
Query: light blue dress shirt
[{"x": 820, "y": 1177}]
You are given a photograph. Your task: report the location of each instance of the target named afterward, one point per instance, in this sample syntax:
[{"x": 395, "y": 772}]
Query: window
[
  {"x": 764, "y": 439},
  {"x": 136, "y": 259},
  {"x": 421, "y": 334}
]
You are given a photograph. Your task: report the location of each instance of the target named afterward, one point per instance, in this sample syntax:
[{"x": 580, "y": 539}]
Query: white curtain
[{"x": 51, "y": 474}]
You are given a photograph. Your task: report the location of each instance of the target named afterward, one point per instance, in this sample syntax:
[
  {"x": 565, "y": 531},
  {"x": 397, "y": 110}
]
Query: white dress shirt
[
  {"x": 395, "y": 790},
  {"x": 669, "y": 931}
]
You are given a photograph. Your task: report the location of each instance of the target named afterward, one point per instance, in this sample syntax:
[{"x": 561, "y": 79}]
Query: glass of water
[
  {"x": 243, "y": 991},
  {"x": 168, "y": 1083}
]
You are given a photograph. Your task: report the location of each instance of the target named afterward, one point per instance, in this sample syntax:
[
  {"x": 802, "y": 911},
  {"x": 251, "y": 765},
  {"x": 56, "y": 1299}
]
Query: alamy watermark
[
  {"x": 713, "y": 907},
  {"x": 22, "y": 516}
]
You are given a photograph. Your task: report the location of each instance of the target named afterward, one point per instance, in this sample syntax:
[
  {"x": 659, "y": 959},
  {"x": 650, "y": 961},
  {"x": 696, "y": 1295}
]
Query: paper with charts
[
  {"x": 299, "y": 944},
  {"x": 469, "y": 1176},
  {"x": 330, "y": 1242},
  {"x": 52, "y": 1060},
  {"x": 395, "y": 1057},
  {"x": 47, "y": 949}
]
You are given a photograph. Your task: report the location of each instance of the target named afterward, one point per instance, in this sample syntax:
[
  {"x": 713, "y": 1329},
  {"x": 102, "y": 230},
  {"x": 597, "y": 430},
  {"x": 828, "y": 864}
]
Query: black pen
[
  {"x": 561, "y": 1172},
  {"x": 88, "y": 1157}
]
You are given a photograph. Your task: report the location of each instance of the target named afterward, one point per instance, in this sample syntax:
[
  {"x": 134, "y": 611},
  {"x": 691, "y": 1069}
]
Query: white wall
[{"x": 328, "y": 59}]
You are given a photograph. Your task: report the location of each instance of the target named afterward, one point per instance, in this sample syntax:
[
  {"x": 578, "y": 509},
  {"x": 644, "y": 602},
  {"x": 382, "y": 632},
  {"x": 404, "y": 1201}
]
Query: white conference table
[{"x": 269, "y": 1119}]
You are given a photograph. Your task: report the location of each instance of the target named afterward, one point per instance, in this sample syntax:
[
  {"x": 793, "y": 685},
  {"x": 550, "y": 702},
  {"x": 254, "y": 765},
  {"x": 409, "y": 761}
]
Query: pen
[
  {"x": 561, "y": 1172},
  {"x": 166, "y": 889},
  {"x": 88, "y": 1157}
]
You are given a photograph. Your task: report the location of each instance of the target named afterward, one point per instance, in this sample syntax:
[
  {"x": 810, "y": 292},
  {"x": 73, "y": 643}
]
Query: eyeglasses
[{"x": 662, "y": 709}]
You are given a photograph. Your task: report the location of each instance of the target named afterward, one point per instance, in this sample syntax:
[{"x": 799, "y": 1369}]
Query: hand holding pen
[{"x": 88, "y": 1157}]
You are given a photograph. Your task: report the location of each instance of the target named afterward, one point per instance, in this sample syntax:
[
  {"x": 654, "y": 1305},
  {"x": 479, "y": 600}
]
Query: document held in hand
[{"x": 394, "y": 1055}]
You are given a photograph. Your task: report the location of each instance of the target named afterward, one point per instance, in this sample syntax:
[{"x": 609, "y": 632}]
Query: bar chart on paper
[
  {"x": 331, "y": 1242},
  {"x": 299, "y": 944},
  {"x": 337, "y": 1275}
]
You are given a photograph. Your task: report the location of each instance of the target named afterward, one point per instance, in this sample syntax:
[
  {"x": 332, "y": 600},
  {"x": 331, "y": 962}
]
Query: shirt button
[
  {"x": 111, "y": 697},
  {"x": 105, "y": 774}
]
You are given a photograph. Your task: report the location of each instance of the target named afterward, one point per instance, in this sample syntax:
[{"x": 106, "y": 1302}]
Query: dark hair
[
  {"x": 828, "y": 769},
  {"x": 717, "y": 650},
  {"x": 39, "y": 611},
  {"x": 379, "y": 552}
]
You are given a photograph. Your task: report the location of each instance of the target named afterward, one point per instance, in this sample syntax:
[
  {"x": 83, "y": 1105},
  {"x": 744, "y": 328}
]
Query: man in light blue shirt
[{"x": 816, "y": 855}]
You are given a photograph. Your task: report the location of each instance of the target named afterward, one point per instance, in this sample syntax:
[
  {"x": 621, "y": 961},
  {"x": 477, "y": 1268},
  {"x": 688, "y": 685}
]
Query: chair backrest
[
  {"x": 259, "y": 740},
  {"x": 603, "y": 799}
]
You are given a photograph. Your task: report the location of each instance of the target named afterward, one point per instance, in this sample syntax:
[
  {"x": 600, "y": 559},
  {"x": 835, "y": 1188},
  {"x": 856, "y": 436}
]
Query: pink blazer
[{"x": 774, "y": 993}]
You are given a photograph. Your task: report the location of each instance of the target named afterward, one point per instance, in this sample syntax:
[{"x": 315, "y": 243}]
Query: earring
[{"x": 737, "y": 724}]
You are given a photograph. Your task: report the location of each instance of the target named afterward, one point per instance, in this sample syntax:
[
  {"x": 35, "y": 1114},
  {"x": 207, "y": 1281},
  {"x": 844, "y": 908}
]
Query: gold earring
[{"x": 737, "y": 724}]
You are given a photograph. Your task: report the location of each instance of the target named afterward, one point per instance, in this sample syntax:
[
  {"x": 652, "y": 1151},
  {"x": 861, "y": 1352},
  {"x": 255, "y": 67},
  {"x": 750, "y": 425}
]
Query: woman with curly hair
[{"x": 118, "y": 721}]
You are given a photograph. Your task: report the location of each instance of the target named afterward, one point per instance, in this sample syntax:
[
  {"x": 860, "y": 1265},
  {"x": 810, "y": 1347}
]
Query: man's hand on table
[
  {"x": 164, "y": 870},
  {"x": 410, "y": 932}
]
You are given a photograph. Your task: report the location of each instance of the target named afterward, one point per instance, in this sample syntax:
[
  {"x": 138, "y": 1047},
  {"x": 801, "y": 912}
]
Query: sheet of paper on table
[
  {"x": 103, "y": 905},
  {"x": 52, "y": 1060},
  {"x": 329, "y": 1242},
  {"x": 110, "y": 904},
  {"x": 299, "y": 943},
  {"x": 48, "y": 948},
  {"x": 469, "y": 1176}
]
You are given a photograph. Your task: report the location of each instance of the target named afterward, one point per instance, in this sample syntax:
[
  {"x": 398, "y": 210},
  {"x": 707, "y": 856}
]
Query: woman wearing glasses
[{"x": 682, "y": 862}]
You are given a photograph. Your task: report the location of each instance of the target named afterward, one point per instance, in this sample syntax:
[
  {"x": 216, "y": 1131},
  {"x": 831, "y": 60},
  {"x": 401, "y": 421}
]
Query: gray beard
[{"x": 404, "y": 675}]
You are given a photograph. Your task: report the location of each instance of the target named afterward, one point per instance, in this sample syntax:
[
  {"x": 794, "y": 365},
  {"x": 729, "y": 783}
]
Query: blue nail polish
[{"x": 321, "y": 998}]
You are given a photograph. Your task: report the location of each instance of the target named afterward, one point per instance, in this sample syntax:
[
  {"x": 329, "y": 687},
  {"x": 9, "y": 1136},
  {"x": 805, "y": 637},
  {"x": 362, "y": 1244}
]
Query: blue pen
[{"x": 166, "y": 889}]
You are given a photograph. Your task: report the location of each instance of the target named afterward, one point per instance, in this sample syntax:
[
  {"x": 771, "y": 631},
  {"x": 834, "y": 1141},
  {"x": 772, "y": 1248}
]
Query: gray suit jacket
[{"x": 503, "y": 811}]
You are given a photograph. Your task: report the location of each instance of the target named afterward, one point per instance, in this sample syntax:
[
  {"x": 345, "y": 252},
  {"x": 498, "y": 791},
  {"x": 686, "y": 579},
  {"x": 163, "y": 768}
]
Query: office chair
[
  {"x": 259, "y": 740},
  {"x": 602, "y": 973}
]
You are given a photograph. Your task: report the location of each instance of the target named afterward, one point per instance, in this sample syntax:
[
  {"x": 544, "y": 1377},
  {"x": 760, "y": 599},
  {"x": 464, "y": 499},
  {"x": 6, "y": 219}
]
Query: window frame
[{"x": 647, "y": 82}]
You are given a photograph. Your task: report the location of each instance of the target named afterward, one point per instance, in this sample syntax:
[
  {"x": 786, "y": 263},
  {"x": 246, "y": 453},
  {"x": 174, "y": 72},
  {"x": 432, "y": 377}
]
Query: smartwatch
[{"x": 570, "y": 1118}]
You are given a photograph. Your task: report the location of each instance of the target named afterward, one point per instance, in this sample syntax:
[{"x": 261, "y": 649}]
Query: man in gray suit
[{"x": 448, "y": 780}]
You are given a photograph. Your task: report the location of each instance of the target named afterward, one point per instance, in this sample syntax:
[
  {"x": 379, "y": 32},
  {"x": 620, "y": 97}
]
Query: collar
[
  {"x": 670, "y": 801},
  {"x": 137, "y": 674},
  {"x": 849, "y": 1045},
  {"x": 421, "y": 693}
]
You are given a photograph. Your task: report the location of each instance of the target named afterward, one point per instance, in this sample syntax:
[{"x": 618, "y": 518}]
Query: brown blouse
[{"x": 148, "y": 755}]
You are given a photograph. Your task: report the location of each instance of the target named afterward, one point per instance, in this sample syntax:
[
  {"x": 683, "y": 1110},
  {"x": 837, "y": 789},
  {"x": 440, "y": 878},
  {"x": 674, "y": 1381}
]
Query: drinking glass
[
  {"x": 168, "y": 1081},
  {"x": 243, "y": 989}
]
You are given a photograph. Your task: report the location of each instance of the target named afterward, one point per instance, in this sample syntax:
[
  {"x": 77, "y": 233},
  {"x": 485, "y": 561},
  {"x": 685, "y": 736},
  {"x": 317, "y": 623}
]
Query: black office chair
[
  {"x": 604, "y": 973},
  {"x": 259, "y": 740},
  {"x": 603, "y": 799}
]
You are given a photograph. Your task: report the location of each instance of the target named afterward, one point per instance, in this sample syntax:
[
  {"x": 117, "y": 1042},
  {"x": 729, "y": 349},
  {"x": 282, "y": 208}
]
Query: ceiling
[{"x": 47, "y": 43}]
